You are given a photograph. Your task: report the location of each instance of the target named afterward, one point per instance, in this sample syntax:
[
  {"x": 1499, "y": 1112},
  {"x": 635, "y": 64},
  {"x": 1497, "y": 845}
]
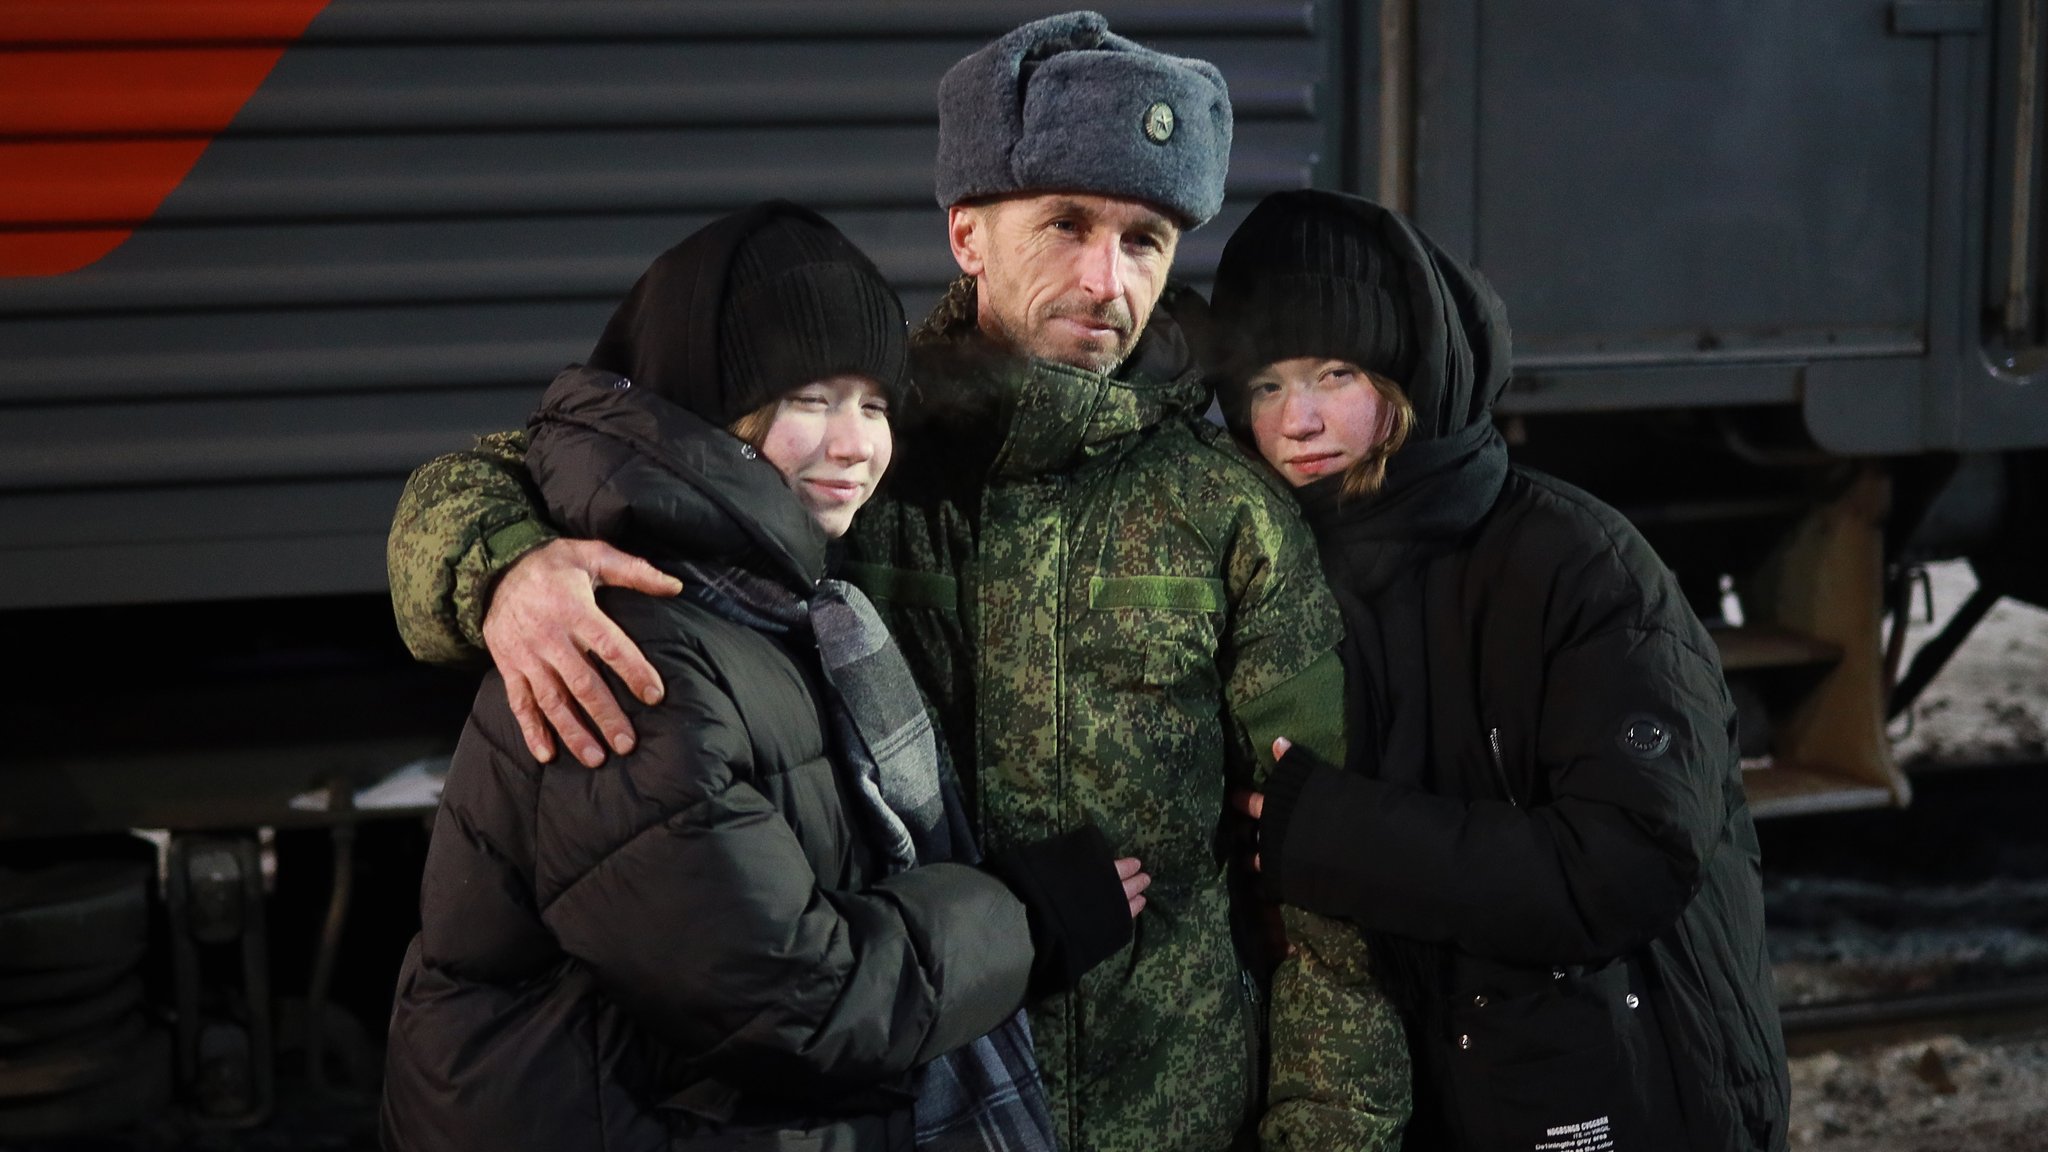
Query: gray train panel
[
  {"x": 426, "y": 209},
  {"x": 1733, "y": 204},
  {"x": 429, "y": 207},
  {"x": 1691, "y": 181},
  {"x": 196, "y": 541}
]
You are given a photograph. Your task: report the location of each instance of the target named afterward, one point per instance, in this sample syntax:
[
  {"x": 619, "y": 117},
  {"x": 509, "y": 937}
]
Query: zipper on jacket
[
  {"x": 1254, "y": 1042},
  {"x": 1500, "y": 768}
]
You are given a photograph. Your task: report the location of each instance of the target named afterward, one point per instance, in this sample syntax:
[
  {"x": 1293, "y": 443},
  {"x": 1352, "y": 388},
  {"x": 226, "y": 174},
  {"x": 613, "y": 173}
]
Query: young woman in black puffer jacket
[
  {"x": 764, "y": 926},
  {"x": 1541, "y": 827}
]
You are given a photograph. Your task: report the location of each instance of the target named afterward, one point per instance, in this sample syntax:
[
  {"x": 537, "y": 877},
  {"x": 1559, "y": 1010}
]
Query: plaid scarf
[{"x": 986, "y": 1096}]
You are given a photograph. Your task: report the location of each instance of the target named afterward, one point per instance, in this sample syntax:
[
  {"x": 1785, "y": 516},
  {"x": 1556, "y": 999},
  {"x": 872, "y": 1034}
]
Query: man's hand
[
  {"x": 543, "y": 627},
  {"x": 1135, "y": 881}
]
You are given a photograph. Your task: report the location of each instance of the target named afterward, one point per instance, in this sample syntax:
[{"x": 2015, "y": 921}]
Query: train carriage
[{"x": 1774, "y": 268}]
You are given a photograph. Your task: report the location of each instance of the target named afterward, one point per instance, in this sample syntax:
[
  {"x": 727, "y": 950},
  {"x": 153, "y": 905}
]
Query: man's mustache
[{"x": 1110, "y": 313}]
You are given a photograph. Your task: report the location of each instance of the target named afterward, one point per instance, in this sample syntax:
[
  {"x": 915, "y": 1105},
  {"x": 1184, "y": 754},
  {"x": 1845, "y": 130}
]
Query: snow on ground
[
  {"x": 1941, "y": 1095},
  {"x": 1851, "y": 938},
  {"x": 1836, "y": 938},
  {"x": 1990, "y": 704}
]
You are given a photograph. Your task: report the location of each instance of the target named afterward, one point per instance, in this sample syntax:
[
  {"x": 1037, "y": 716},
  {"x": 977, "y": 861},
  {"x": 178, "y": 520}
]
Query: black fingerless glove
[
  {"x": 1074, "y": 900},
  {"x": 1291, "y": 773}
]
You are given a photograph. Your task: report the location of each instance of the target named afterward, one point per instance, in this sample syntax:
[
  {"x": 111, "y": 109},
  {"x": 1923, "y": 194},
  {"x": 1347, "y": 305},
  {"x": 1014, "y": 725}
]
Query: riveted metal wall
[{"x": 420, "y": 213}]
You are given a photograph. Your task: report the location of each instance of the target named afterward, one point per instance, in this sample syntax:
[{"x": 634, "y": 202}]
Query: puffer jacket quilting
[{"x": 698, "y": 940}]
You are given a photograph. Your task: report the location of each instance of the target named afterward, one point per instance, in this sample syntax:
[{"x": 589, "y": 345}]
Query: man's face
[{"x": 1065, "y": 277}]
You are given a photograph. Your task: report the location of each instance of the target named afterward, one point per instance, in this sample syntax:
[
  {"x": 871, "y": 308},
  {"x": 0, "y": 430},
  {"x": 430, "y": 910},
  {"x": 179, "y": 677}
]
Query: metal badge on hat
[{"x": 1159, "y": 122}]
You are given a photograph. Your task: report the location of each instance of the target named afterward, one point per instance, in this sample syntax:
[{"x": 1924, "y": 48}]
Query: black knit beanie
[
  {"x": 1298, "y": 280},
  {"x": 751, "y": 307}
]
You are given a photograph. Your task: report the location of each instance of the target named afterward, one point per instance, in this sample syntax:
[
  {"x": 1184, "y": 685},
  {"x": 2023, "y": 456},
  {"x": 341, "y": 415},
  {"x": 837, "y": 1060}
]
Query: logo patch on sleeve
[{"x": 1644, "y": 737}]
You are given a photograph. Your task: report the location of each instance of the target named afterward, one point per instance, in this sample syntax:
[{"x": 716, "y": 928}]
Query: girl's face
[
  {"x": 830, "y": 439},
  {"x": 1313, "y": 417}
]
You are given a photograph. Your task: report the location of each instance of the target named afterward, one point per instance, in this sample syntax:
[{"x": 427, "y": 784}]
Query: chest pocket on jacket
[{"x": 1165, "y": 631}]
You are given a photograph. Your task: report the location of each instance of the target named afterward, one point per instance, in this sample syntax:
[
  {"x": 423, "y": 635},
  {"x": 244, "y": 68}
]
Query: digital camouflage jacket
[{"x": 1114, "y": 613}]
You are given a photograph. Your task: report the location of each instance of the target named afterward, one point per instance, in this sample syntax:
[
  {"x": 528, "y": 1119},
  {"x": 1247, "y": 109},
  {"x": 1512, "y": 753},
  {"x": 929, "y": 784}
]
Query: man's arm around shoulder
[
  {"x": 463, "y": 519},
  {"x": 476, "y": 568}
]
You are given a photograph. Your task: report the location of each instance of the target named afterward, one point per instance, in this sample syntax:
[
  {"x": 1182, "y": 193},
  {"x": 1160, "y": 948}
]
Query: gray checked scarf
[{"x": 986, "y": 1096}]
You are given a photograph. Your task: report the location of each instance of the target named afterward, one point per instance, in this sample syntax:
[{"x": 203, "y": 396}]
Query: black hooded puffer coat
[
  {"x": 1542, "y": 824},
  {"x": 694, "y": 945}
]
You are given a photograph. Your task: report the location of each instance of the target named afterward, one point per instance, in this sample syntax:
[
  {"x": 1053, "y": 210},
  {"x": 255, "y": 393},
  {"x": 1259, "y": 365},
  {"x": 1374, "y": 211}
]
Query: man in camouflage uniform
[{"x": 1112, "y": 610}]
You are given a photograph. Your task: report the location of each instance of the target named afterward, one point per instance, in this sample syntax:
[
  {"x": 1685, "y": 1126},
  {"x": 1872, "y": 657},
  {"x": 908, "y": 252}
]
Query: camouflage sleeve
[
  {"x": 1339, "y": 1077},
  {"x": 463, "y": 519},
  {"x": 1339, "y": 1074},
  {"x": 1282, "y": 675}
]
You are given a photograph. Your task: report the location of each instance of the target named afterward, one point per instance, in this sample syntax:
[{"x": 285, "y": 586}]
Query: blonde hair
[
  {"x": 1369, "y": 471},
  {"x": 753, "y": 427}
]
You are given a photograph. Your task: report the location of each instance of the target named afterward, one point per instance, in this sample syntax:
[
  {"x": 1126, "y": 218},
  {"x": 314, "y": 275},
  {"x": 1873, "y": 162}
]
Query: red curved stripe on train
[{"x": 105, "y": 105}]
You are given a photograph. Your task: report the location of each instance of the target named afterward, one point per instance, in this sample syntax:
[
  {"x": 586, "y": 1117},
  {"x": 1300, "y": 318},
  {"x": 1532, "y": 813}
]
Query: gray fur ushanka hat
[{"x": 1064, "y": 105}]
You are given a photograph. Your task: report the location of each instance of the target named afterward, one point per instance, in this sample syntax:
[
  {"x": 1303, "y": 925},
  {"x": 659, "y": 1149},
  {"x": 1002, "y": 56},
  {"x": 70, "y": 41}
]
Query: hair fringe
[{"x": 753, "y": 427}]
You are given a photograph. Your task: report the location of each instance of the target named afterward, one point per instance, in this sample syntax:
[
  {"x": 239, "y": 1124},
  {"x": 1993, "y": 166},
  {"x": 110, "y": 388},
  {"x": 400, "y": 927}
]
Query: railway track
[
  {"x": 1948, "y": 897},
  {"x": 1983, "y": 1010}
]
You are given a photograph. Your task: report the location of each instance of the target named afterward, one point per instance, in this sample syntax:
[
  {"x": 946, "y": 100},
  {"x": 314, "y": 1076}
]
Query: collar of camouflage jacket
[{"x": 1049, "y": 417}]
